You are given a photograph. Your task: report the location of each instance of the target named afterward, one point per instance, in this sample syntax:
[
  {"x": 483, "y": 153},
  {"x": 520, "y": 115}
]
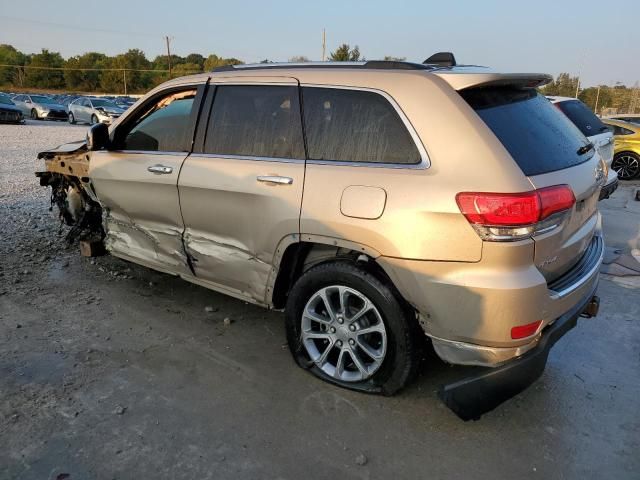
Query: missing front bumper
[{"x": 487, "y": 388}]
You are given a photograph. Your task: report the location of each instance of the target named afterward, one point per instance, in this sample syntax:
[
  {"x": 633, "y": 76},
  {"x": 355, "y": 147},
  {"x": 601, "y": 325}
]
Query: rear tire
[
  {"x": 72, "y": 119},
  {"x": 626, "y": 165},
  {"x": 348, "y": 328}
]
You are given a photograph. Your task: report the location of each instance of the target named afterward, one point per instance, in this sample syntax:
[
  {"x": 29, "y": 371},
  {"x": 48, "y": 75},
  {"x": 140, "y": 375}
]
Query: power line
[{"x": 150, "y": 70}]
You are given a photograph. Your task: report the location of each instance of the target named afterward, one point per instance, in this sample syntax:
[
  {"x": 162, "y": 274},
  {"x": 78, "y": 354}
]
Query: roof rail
[{"x": 368, "y": 65}]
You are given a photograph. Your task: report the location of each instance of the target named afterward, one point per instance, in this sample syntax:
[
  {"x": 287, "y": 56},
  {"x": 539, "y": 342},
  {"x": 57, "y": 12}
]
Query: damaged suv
[{"x": 375, "y": 202}]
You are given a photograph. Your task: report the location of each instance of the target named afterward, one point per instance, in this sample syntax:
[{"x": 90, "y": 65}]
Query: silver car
[
  {"x": 40, "y": 107},
  {"x": 93, "y": 110}
]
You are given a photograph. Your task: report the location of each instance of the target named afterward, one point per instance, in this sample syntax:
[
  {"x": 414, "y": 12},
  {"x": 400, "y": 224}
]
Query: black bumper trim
[
  {"x": 607, "y": 190},
  {"x": 486, "y": 389}
]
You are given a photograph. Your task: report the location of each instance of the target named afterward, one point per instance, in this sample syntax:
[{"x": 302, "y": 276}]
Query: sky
[{"x": 587, "y": 38}]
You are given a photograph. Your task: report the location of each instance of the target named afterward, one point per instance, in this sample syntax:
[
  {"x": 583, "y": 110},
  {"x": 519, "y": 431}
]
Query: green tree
[
  {"x": 123, "y": 73},
  {"x": 344, "y": 53},
  {"x": 186, "y": 69},
  {"x": 299, "y": 59},
  {"x": 214, "y": 61},
  {"x": 84, "y": 80},
  {"x": 195, "y": 58},
  {"x": 564, "y": 86},
  {"x": 11, "y": 75},
  {"x": 42, "y": 73}
]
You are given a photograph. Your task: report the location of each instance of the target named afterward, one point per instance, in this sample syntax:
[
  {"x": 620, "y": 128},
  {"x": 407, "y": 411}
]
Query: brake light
[
  {"x": 511, "y": 216},
  {"x": 523, "y": 331}
]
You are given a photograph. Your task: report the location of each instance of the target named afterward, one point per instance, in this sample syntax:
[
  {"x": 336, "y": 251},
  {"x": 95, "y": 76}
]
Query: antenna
[{"x": 324, "y": 44}]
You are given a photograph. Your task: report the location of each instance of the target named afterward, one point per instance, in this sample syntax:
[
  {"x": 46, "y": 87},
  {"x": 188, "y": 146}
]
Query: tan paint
[{"x": 359, "y": 201}]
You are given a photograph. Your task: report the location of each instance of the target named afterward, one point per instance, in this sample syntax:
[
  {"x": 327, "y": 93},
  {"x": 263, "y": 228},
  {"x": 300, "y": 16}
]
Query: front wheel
[
  {"x": 94, "y": 119},
  {"x": 72, "y": 119},
  {"x": 347, "y": 327},
  {"x": 626, "y": 165},
  {"x": 34, "y": 114}
]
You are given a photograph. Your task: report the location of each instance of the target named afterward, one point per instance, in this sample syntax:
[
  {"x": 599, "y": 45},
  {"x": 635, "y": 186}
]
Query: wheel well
[
  {"x": 300, "y": 257},
  {"x": 627, "y": 152}
]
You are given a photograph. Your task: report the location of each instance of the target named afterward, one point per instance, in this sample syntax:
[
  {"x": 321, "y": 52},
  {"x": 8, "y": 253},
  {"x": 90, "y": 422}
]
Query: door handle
[
  {"x": 275, "y": 179},
  {"x": 159, "y": 169}
]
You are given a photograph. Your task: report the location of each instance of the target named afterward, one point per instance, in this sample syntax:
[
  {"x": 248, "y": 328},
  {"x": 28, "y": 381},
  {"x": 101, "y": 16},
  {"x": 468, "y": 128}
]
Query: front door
[
  {"x": 241, "y": 189},
  {"x": 136, "y": 182}
]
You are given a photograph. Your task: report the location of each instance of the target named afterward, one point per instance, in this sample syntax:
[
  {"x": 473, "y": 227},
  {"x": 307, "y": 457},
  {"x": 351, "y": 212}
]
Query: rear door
[
  {"x": 137, "y": 181},
  {"x": 550, "y": 150},
  {"x": 241, "y": 189}
]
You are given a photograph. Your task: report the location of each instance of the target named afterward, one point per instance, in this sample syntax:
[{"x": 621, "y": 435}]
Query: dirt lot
[{"x": 109, "y": 370}]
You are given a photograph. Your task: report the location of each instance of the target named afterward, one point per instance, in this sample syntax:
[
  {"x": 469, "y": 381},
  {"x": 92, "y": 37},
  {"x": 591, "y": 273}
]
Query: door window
[
  {"x": 256, "y": 121},
  {"x": 162, "y": 126},
  {"x": 355, "y": 126}
]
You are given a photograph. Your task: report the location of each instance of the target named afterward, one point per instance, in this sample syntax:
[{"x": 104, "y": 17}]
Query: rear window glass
[
  {"x": 538, "y": 136},
  {"x": 582, "y": 117},
  {"x": 355, "y": 126}
]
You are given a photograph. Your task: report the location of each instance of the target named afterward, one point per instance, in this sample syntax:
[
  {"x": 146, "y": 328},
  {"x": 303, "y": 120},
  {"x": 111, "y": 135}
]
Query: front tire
[
  {"x": 34, "y": 114},
  {"x": 72, "y": 119},
  {"x": 347, "y": 327},
  {"x": 626, "y": 165},
  {"x": 94, "y": 119}
]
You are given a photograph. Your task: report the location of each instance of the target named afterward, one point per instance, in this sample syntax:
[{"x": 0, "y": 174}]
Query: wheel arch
[{"x": 298, "y": 253}]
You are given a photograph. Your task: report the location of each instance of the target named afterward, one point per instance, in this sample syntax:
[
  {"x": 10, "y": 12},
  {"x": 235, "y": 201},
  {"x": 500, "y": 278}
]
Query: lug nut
[
  {"x": 352, "y": 328},
  {"x": 340, "y": 319},
  {"x": 339, "y": 343},
  {"x": 352, "y": 342},
  {"x": 332, "y": 330}
]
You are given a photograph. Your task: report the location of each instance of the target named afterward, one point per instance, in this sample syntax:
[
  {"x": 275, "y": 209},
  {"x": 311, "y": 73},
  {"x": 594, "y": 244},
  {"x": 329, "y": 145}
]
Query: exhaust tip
[{"x": 591, "y": 310}]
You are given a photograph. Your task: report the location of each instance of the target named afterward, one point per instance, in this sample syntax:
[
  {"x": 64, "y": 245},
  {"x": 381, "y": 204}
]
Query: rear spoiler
[{"x": 462, "y": 78}]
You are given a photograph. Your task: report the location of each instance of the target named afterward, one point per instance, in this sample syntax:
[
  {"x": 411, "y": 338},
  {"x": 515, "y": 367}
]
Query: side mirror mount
[{"x": 98, "y": 137}]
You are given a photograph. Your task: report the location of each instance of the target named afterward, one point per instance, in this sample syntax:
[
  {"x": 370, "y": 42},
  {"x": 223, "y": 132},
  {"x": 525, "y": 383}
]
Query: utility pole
[
  {"x": 597, "y": 98},
  {"x": 324, "y": 45},
  {"x": 168, "y": 53},
  {"x": 577, "y": 87},
  {"x": 124, "y": 79}
]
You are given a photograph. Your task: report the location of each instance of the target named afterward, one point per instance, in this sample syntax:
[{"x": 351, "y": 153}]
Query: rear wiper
[{"x": 585, "y": 148}]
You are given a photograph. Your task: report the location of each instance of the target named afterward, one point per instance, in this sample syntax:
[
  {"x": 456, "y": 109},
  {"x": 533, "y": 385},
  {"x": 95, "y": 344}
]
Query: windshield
[
  {"x": 103, "y": 103},
  {"x": 5, "y": 100},
  {"x": 540, "y": 138},
  {"x": 42, "y": 99},
  {"x": 582, "y": 117}
]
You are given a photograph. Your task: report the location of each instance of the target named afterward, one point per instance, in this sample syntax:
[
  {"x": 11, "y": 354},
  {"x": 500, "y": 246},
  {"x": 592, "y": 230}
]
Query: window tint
[
  {"x": 582, "y": 117},
  {"x": 538, "y": 136},
  {"x": 164, "y": 126},
  {"x": 355, "y": 126},
  {"x": 257, "y": 121},
  {"x": 617, "y": 130}
]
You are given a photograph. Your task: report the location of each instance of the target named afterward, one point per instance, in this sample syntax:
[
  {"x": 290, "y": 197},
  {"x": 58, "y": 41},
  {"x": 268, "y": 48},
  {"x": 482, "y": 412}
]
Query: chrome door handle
[
  {"x": 160, "y": 169},
  {"x": 275, "y": 179}
]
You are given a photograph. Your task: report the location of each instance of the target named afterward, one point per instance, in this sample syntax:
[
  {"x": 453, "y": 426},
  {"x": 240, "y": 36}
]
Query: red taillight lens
[
  {"x": 523, "y": 331},
  {"x": 514, "y": 209}
]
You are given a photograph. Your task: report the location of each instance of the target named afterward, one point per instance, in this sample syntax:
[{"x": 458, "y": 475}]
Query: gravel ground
[{"x": 109, "y": 370}]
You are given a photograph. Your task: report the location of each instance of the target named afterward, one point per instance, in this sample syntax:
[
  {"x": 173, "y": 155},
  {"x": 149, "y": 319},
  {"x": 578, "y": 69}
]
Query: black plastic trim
[
  {"x": 477, "y": 394},
  {"x": 581, "y": 268},
  {"x": 369, "y": 65}
]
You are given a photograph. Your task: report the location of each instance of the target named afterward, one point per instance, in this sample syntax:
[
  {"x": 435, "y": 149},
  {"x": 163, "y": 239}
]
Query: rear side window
[
  {"x": 256, "y": 121},
  {"x": 164, "y": 126},
  {"x": 355, "y": 126},
  {"x": 538, "y": 136},
  {"x": 582, "y": 117},
  {"x": 617, "y": 130}
]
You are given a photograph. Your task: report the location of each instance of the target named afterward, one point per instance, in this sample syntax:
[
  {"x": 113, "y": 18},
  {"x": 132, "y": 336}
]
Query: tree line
[{"x": 132, "y": 72}]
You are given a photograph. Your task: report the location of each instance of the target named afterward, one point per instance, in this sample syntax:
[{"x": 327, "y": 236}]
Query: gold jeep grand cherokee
[{"x": 375, "y": 202}]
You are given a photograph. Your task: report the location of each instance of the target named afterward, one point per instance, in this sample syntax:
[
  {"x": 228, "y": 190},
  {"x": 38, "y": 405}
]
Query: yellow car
[{"x": 626, "y": 154}]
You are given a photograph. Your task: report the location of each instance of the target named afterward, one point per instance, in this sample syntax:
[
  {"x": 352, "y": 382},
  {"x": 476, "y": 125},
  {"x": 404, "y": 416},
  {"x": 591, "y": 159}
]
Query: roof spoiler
[{"x": 442, "y": 59}]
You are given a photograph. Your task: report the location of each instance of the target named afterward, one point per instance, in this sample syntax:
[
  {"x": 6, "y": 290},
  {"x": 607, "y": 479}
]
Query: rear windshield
[
  {"x": 582, "y": 117},
  {"x": 539, "y": 137}
]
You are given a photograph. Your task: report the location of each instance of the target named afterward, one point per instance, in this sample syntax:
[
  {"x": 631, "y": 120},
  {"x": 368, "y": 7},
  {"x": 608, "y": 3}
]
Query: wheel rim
[
  {"x": 343, "y": 333},
  {"x": 94, "y": 120},
  {"x": 626, "y": 166},
  {"x": 71, "y": 118},
  {"x": 34, "y": 115}
]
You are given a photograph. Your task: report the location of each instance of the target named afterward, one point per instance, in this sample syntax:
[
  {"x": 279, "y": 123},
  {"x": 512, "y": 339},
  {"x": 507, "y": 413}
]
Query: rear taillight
[
  {"x": 524, "y": 331},
  {"x": 512, "y": 216}
]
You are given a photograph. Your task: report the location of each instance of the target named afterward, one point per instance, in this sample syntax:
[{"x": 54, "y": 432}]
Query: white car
[
  {"x": 39, "y": 107},
  {"x": 597, "y": 132},
  {"x": 93, "y": 110}
]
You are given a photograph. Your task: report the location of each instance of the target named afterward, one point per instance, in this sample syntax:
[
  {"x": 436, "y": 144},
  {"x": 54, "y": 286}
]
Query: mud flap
[{"x": 487, "y": 388}]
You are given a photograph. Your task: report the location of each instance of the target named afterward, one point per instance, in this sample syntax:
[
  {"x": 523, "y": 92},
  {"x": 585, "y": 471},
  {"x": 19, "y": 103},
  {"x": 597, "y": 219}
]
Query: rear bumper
[
  {"x": 487, "y": 388},
  {"x": 608, "y": 189}
]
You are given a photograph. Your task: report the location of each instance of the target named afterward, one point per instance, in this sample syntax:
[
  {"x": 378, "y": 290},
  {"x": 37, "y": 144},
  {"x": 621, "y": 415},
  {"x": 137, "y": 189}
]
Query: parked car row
[{"x": 74, "y": 108}]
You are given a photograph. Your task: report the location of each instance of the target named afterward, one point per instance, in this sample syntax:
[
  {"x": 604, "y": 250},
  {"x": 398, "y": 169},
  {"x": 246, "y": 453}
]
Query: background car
[
  {"x": 93, "y": 110},
  {"x": 626, "y": 117},
  {"x": 626, "y": 158},
  {"x": 39, "y": 107},
  {"x": 597, "y": 132},
  {"x": 9, "y": 113}
]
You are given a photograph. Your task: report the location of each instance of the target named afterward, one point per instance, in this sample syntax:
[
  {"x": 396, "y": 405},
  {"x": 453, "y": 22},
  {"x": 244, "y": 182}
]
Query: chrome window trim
[
  {"x": 248, "y": 158},
  {"x": 424, "y": 163},
  {"x": 144, "y": 152}
]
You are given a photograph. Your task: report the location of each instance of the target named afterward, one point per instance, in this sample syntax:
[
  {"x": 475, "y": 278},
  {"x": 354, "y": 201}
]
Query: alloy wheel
[
  {"x": 343, "y": 333},
  {"x": 626, "y": 165}
]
